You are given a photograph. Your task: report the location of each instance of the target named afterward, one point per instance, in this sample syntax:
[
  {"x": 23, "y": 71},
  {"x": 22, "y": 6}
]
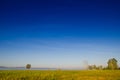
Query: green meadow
[{"x": 59, "y": 74}]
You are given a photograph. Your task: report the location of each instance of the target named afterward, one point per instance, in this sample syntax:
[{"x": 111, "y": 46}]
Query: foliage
[
  {"x": 94, "y": 67},
  {"x": 28, "y": 66},
  {"x": 112, "y": 64}
]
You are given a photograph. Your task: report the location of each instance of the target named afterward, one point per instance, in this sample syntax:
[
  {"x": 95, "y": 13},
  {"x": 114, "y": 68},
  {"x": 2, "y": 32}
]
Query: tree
[
  {"x": 112, "y": 64},
  {"x": 28, "y": 66},
  {"x": 94, "y": 67},
  {"x": 90, "y": 67},
  {"x": 100, "y": 67}
]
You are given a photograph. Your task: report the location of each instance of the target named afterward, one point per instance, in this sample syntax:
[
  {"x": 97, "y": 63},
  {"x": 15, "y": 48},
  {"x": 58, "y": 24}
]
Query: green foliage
[
  {"x": 94, "y": 67},
  {"x": 28, "y": 66},
  {"x": 59, "y": 75},
  {"x": 112, "y": 64}
]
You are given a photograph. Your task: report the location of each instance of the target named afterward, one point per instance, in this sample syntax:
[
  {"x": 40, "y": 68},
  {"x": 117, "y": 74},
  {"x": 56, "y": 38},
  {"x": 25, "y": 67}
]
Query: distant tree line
[
  {"x": 94, "y": 67},
  {"x": 112, "y": 65}
]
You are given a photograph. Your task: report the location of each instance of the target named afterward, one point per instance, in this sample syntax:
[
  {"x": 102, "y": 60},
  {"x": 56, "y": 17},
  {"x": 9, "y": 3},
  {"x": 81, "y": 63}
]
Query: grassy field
[{"x": 59, "y": 75}]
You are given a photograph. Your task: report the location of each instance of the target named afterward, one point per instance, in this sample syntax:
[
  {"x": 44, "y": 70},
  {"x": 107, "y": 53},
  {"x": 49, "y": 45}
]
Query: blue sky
[{"x": 59, "y": 33}]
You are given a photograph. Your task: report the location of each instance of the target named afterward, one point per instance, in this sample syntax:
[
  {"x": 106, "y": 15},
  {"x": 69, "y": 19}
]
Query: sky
[{"x": 59, "y": 33}]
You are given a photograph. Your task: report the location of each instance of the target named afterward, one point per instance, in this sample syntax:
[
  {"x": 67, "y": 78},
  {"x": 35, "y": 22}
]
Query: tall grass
[{"x": 59, "y": 75}]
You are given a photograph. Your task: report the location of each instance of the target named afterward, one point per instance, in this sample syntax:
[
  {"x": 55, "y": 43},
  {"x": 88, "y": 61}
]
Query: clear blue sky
[{"x": 59, "y": 33}]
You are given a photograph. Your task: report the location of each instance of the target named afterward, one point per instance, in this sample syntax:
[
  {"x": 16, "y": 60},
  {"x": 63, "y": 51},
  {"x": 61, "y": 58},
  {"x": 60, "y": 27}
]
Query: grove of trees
[{"x": 112, "y": 65}]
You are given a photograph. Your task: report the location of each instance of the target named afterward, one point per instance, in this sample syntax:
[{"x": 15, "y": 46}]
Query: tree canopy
[
  {"x": 112, "y": 64},
  {"x": 28, "y": 66}
]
